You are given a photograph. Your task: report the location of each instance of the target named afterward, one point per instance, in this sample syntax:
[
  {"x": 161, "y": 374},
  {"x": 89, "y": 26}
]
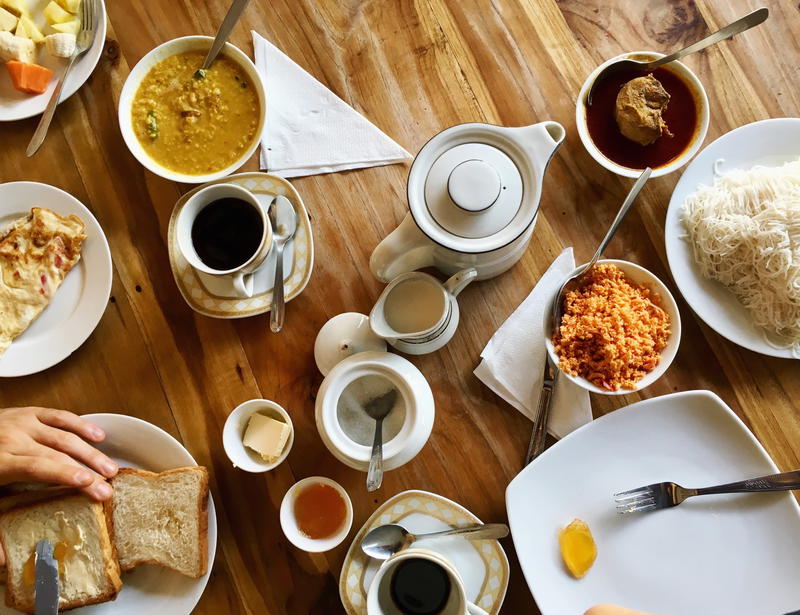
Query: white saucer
[
  {"x": 214, "y": 296},
  {"x": 482, "y": 564}
]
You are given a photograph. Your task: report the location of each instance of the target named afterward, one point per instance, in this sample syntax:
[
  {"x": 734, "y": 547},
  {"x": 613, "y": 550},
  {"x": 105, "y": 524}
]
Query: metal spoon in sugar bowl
[
  {"x": 386, "y": 540},
  {"x": 283, "y": 219},
  {"x": 740, "y": 25}
]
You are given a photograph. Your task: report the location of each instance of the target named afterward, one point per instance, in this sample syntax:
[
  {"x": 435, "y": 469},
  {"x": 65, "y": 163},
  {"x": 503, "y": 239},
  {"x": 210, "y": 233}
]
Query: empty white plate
[
  {"x": 78, "y": 305},
  {"x": 135, "y": 443},
  {"x": 715, "y": 555},
  {"x": 769, "y": 143}
]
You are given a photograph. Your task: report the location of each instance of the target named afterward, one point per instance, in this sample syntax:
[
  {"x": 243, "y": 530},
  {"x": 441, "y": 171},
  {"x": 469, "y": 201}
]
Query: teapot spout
[{"x": 540, "y": 141}]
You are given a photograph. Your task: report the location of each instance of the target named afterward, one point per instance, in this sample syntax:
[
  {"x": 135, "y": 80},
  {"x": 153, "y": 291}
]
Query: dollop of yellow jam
[{"x": 578, "y": 548}]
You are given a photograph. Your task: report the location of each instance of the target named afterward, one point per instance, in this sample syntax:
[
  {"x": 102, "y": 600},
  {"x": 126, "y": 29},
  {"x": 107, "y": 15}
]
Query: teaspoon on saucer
[
  {"x": 283, "y": 219},
  {"x": 386, "y": 540}
]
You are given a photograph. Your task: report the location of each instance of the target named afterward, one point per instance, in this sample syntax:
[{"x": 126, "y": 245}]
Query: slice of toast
[
  {"x": 29, "y": 497},
  {"x": 162, "y": 519},
  {"x": 79, "y": 531}
]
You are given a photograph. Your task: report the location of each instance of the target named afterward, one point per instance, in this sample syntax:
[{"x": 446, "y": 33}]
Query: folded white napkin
[
  {"x": 513, "y": 360},
  {"x": 309, "y": 130}
]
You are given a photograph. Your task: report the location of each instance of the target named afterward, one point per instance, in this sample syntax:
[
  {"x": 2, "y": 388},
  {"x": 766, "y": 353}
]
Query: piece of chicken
[{"x": 640, "y": 105}]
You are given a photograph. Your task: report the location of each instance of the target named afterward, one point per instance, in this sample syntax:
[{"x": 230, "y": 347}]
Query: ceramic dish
[
  {"x": 482, "y": 564},
  {"x": 700, "y": 99},
  {"x": 15, "y": 105},
  {"x": 641, "y": 276},
  {"x": 175, "y": 46},
  {"x": 243, "y": 457},
  {"x": 215, "y": 297},
  {"x": 705, "y": 556},
  {"x": 135, "y": 443},
  {"x": 413, "y": 389},
  {"x": 289, "y": 524},
  {"x": 79, "y": 304},
  {"x": 769, "y": 142}
]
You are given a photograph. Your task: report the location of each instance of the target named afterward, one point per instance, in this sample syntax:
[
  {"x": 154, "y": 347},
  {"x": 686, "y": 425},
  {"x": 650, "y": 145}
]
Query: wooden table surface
[{"x": 413, "y": 68}]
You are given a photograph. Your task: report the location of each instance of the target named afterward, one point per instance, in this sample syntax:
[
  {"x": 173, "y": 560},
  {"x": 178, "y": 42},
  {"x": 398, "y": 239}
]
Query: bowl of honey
[
  {"x": 670, "y": 97},
  {"x": 316, "y": 514}
]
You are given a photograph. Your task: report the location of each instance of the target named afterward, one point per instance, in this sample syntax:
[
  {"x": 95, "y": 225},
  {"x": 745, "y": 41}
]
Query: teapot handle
[
  {"x": 459, "y": 281},
  {"x": 404, "y": 249}
]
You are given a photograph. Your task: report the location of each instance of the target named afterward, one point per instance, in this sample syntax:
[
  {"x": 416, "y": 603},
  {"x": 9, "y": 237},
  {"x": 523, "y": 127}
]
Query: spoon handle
[
  {"x": 278, "y": 304},
  {"x": 479, "y": 531},
  {"x": 629, "y": 201},
  {"x": 237, "y": 7},
  {"x": 740, "y": 25},
  {"x": 375, "y": 472}
]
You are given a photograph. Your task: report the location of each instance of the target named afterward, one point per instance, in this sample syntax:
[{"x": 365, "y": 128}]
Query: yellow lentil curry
[{"x": 195, "y": 122}]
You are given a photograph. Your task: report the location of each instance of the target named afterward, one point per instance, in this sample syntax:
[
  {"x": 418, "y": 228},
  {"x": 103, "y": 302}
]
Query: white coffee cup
[
  {"x": 241, "y": 276},
  {"x": 379, "y": 596}
]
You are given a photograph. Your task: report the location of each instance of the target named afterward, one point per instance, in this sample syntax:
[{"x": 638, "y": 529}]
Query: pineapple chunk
[
  {"x": 17, "y": 7},
  {"x": 7, "y": 21},
  {"x": 53, "y": 13},
  {"x": 70, "y": 27},
  {"x": 27, "y": 29},
  {"x": 73, "y": 6}
]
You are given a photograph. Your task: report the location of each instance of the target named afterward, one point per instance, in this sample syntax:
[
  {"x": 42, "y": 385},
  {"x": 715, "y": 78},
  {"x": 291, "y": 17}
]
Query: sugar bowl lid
[{"x": 475, "y": 187}]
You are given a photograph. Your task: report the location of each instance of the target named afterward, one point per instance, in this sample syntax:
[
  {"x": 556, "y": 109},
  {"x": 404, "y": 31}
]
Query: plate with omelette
[{"x": 55, "y": 276}]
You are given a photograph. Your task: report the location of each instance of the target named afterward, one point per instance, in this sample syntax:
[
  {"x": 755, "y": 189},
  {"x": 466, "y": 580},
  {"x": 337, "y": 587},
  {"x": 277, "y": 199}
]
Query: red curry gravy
[{"x": 680, "y": 116}]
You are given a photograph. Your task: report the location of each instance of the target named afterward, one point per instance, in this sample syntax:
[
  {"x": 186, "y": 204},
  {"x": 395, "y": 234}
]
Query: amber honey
[{"x": 319, "y": 511}]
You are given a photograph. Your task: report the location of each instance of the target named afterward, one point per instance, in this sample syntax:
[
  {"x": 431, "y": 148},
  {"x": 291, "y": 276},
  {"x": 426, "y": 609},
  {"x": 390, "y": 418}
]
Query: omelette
[{"x": 36, "y": 254}]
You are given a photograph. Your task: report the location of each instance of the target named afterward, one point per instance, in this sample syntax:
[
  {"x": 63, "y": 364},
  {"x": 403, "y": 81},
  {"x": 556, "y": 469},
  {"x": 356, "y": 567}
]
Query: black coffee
[
  {"x": 420, "y": 587},
  {"x": 226, "y": 233}
]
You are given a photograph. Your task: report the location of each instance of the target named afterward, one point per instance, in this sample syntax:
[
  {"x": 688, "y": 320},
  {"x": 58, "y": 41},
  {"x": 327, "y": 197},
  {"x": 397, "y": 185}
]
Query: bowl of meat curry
[
  {"x": 191, "y": 125},
  {"x": 638, "y": 119}
]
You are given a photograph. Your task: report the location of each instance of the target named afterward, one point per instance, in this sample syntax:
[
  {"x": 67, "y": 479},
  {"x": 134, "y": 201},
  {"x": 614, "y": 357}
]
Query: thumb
[{"x": 2, "y": 556}]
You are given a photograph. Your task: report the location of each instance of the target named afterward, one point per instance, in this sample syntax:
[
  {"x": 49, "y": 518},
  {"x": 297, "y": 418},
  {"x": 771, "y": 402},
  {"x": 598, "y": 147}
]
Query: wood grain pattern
[{"x": 414, "y": 67}]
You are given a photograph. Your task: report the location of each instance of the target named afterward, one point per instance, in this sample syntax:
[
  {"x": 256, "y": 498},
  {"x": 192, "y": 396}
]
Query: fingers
[
  {"x": 2, "y": 556},
  {"x": 97, "y": 488},
  {"x": 76, "y": 448},
  {"x": 70, "y": 422},
  {"x": 46, "y": 469}
]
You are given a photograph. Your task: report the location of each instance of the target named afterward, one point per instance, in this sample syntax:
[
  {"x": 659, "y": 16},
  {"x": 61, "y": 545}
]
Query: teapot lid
[{"x": 475, "y": 187}]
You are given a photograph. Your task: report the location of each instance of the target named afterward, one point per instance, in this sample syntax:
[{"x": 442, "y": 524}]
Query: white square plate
[{"x": 715, "y": 555}]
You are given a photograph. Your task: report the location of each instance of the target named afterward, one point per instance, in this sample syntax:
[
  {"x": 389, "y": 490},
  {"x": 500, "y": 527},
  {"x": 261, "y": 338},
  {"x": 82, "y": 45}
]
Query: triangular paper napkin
[{"x": 309, "y": 130}]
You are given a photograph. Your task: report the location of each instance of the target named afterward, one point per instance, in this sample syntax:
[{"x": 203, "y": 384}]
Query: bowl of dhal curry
[{"x": 189, "y": 125}]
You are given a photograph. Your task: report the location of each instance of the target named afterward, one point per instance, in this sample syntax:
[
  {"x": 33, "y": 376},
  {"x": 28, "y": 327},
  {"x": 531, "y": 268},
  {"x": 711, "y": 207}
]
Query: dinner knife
[
  {"x": 46, "y": 586},
  {"x": 539, "y": 433}
]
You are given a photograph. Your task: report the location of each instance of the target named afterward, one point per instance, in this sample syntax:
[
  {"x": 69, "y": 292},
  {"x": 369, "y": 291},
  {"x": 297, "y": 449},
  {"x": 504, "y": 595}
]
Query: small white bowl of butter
[{"x": 258, "y": 435}]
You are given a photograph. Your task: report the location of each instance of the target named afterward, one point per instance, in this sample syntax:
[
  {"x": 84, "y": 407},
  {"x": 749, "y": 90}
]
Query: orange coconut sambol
[{"x": 612, "y": 331}]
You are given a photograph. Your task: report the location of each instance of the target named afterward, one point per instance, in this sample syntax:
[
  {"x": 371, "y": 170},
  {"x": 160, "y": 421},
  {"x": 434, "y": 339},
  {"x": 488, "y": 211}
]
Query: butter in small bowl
[{"x": 258, "y": 435}]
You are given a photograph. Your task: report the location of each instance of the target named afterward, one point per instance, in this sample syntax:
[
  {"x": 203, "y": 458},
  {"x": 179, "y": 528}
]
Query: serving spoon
[
  {"x": 231, "y": 18},
  {"x": 386, "y": 540},
  {"x": 553, "y": 321},
  {"x": 740, "y": 25}
]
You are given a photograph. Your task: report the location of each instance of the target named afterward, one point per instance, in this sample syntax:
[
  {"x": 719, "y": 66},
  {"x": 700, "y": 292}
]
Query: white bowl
[
  {"x": 180, "y": 45},
  {"x": 641, "y": 276},
  {"x": 289, "y": 523},
  {"x": 233, "y": 435},
  {"x": 412, "y": 387},
  {"x": 700, "y": 99}
]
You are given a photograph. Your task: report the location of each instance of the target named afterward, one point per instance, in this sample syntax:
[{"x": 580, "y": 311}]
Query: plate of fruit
[{"x": 37, "y": 40}]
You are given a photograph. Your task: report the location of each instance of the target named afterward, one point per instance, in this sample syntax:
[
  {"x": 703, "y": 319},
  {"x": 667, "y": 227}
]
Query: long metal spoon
[
  {"x": 378, "y": 409},
  {"x": 231, "y": 18},
  {"x": 740, "y": 25},
  {"x": 386, "y": 540},
  {"x": 551, "y": 371},
  {"x": 283, "y": 219}
]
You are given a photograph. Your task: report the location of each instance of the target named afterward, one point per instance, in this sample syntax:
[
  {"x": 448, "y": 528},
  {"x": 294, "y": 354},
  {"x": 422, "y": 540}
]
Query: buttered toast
[
  {"x": 79, "y": 532},
  {"x": 162, "y": 519}
]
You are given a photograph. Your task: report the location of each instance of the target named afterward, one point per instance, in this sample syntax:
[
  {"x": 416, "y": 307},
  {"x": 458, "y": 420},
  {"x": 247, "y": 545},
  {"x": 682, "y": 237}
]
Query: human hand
[
  {"x": 46, "y": 445},
  {"x": 610, "y": 609}
]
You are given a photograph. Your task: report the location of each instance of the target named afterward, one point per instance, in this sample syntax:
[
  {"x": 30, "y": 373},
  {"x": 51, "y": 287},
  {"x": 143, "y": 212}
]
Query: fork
[
  {"x": 84, "y": 41},
  {"x": 667, "y": 495}
]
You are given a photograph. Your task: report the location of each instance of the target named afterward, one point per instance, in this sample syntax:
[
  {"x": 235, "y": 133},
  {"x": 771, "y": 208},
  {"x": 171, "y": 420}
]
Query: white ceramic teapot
[{"x": 473, "y": 195}]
